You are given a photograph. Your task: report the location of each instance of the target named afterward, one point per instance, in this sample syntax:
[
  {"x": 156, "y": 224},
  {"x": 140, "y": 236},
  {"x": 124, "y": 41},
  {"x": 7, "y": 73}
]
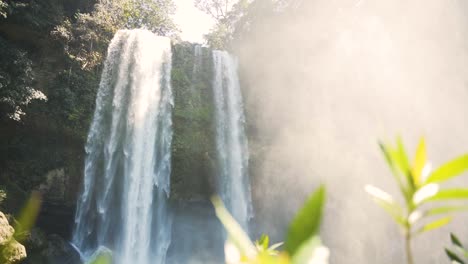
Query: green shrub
[
  {"x": 420, "y": 187},
  {"x": 302, "y": 245}
]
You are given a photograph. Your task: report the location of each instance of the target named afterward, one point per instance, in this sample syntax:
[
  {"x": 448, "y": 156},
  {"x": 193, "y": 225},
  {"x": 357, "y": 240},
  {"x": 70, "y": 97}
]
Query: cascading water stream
[
  {"x": 123, "y": 205},
  {"x": 231, "y": 140}
]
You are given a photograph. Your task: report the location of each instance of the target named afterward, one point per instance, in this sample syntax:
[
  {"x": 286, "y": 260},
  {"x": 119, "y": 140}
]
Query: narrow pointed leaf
[
  {"x": 435, "y": 224},
  {"x": 403, "y": 163},
  {"x": 449, "y": 194},
  {"x": 455, "y": 240},
  {"x": 462, "y": 251},
  {"x": 388, "y": 157},
  {"x": 419, "y": 161},
  {"x": 445, "y": 210},
  {"x": 236, "y": 234},
  {"x": 276, "y": 245},
  {"x": 449, "y": 170},
  {"x": 263, "y": 242},
  {"x": 392, "y": 159},
  {"x": 307, "y": 221},
  {"x": 453, "y": 257},
  {"x": 426, "y": 192},
  {"x": 386, "y": 202},
  {"x": 402, "y": 158}
]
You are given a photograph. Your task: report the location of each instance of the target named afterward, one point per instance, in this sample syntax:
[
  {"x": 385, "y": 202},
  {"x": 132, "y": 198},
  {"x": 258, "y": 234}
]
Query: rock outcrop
[
  {"x": 51, "y": 249},
  {"x": 11, "y": 251}
]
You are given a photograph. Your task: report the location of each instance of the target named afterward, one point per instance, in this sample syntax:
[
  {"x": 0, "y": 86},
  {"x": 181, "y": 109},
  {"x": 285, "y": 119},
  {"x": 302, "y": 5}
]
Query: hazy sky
[{"x": 192, "y": 22}]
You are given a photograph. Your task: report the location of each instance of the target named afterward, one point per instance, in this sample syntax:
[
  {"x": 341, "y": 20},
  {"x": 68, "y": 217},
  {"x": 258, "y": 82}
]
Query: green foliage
[
  {"x": 3, "y": 195},
  {"x": 101, "y": 256},
  {"x": 193, "y": 144},
  {"x": 219, "y": 37},
  {"x": 85, "y": 39},
  {"x": 237, "y": 21},
  {"x": 263, "y": 246},
  {"x": 38, "y": 15},
  {"x": 235, "y": 233},
  {"x": 420, "y": 187},
  {"x": 306, "y": 224},
  {"x": 458, "y": 253},
  {"x": 3, "y": 9},
  {"x": 449, "y": 170},
  {"x": 102, "y": 260},
  {"x": 226, "y": 13},
  {"x": 11, "y": 251},
  {"x": 302, "y": 245},
  {"x": 16, "y": 81},
  {"x": 217, "y": 9},
  {"x": 27, "y": 217},
  {"x": 155, "y": 16}
]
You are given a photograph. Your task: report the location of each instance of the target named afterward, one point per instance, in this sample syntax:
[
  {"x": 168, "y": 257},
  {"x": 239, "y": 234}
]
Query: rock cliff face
[{"x": 10, "y": 250}]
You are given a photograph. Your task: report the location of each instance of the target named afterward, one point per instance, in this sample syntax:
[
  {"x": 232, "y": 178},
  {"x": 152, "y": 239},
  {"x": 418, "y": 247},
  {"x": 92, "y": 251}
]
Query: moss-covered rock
[
  {"x": 6, "y": 231},
  {"x": 10, "y": 250},
  {"x": 193, "y": 145}
]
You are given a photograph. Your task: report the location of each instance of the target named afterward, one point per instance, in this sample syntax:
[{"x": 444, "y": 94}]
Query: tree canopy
[{"x": 75, "y": 36}]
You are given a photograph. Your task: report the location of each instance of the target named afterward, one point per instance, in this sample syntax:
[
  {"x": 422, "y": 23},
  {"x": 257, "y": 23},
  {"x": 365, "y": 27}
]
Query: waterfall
[
  {"x": 123, "y": 205},
  {"x": 231, "y": 141}
]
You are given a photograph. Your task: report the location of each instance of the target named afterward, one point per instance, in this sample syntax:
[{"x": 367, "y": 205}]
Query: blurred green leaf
[
  {"x": 386, "y": 202},
  {"x": 453, "y": 257},
  {"x": 264, "y": 241},
  {"x": 104, "y": 259},
  {"x": 276, "y": 245},
  {"x": 435, "y": 224},
  {"x": 455, "y": 240},
  {"x": 235, "y": 232},
  {"x": 419, "y": 161},
  {"x": 404, "y": 165},
  {"x": 308, "y": 250},
  {"x": 445, "y": 209},
  {"x": 397, "y": 160},
  {"x": 306, "y": 222},
  {"x": 402, "y": 158},
  {"x": 28, "y": 216},
  {"x": 449, "y": 170},
  {"x": 449, "y": 194}
]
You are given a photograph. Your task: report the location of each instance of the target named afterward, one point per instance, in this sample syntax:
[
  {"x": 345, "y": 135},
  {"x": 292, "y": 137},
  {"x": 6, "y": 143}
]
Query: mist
[{"x": 324, "y": 83}]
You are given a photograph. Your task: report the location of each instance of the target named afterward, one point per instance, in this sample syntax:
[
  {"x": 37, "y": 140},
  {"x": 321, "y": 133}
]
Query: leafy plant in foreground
[
  {"x": 302, "y": 245},
  {"x": 420, "y": 187},
  {"x": 459, "y": 254},
  {"x": 263, "y": 246}
]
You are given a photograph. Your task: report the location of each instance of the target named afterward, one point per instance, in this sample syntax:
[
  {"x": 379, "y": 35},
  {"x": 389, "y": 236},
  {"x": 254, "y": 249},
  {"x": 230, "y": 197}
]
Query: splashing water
[{"x": 123, "y": 205}]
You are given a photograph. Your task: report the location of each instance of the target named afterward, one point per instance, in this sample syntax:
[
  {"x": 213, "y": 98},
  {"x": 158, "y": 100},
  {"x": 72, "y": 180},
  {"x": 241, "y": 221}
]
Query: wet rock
[
  {"x": 54, "y": 186},
  {"x": 36, "y": 239},
  {"x": 13, "y": 252},
  {"x": 59, "y": 251},
  {"x": 10, "y": 250},
  {"x": 6, "y": 231}
]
